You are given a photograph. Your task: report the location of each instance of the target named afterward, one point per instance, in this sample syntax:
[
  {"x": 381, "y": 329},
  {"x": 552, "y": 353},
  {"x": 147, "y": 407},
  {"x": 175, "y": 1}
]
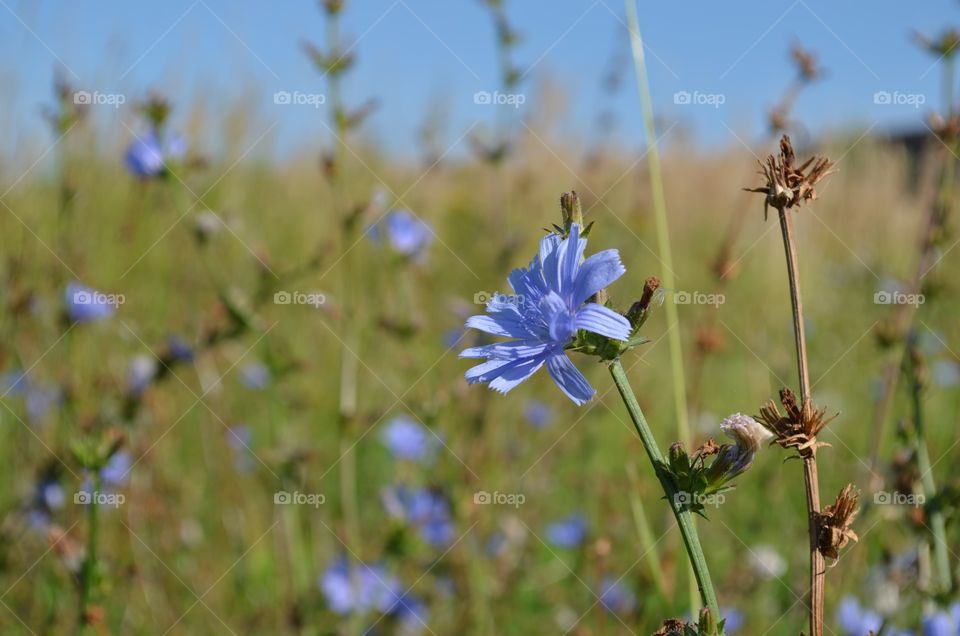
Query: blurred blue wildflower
[
  {"x": 406, "y": 438},
  {"x": 373, "y": 588},
  {"x": 117, "y": 470},
  {"x": 141, "y": 371},
  {"x": 855, "y": 620},
  {"x": 179, "y": 350},
  {"x": 939, "y": 624},
  {"x": 240, "y": 438},
  {"x": 544, "y": 315},
  {"x": 38, "y": 398},
  {"x": 255, "y": 376},
  {"x": 423, "y": 508},
  {"x": 14, "y": 383},
  {"x": 85, "y": 304},
  {"x": 114, "y": 474},
  {"x": 405, "y": 233},
  {"x": 48, "y": 496},
  {"x": 946, "y": 373},
  {"x": 615, "y": 597},
  {"x": 411, "y": 614},
  {"x": 568, "y": 532},
  {"x": 538, "y": 414},
  {"x": 147, "y": 156},
  {"x": 734, "y": 620}
]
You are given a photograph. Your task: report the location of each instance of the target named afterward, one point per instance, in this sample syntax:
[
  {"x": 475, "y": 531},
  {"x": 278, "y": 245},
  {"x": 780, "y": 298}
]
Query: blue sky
[{"x": 412, "y": 52}]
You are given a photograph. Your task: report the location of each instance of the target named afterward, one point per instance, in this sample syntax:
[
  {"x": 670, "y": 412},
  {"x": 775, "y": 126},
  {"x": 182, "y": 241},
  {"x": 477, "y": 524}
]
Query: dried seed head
[
  {"x": 778, "y": 118},
  {"x": 708, "y": 448},
  {"x": 799, "y": 427},
  {"x": 834, "y": 523},
  {"x": 788, "y": 185},
  {"x": 808, "y": 66},
  {"x": 671, "y": 627},
  {"x": 709, "y": 339},
  {"x": 638, "y": 310}
]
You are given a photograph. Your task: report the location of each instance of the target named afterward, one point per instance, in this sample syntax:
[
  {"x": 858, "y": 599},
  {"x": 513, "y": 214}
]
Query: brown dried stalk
[{"x": 787, "y": 186}]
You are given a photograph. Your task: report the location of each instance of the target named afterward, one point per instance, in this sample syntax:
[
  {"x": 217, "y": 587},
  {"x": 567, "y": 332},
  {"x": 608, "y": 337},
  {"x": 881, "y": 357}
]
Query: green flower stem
[
  {"x": 678, "y": 379},
  {"x": 691, "y": 539},
  {"x": 89, "y": 574},
  {"x": 938, "y": 526}
]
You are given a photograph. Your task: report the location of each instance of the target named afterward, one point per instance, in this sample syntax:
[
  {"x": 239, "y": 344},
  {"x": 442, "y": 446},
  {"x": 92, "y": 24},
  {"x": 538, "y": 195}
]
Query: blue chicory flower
[
  {"x": 48, "y": 496},
  {"x": 408, "y": 439},
  {"x": 141, "y": 371},
  {"x": 358, "y": 588},
  {"x": 255, "y": 376},
  {"x": 38, "y": 398},
  {"x": 538, "y": 414},
  {"x": 733, "y": 620},
  {"x": 406, "y": 233},
  {"x": 85, "y": 304},
  {"x": 615, "y": 597},
  {"x": 945, "y": 373},
  {"x": 544, "y": 315},
  {"x": 568, "y": 532},
  {"x": 855, "y": 620},
  {"x": 361, "y": 588},
  {"x": 179, "y": 349},
  {"x": 240, "y": 438},
  {"x": 939, "y": 624},
  {"x": 425, "y": 509},
  {"x": 116, "y": 472},
  {"x": 147, "y": 156}
]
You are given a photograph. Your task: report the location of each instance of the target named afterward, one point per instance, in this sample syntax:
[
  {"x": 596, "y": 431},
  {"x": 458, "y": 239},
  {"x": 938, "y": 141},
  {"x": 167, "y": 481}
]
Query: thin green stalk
[
  {"x": 89, "y": 570},
  {"x": 938, "y": 526},
  {"x": 348, "y": 356},
  {"x": 647, "y": 540},
  {"x": 678, "y": 379},
  {"x": 663, "y": 225},
  {"x": 684, "y": 517}
]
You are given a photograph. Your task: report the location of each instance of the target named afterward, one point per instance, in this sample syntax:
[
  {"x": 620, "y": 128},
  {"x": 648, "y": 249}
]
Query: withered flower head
[
  {"x": 835, "y": 521},
  {"x": 709, "y": 339},
  {"x": 671, "y": 627},
  {"x": 788, "y": 185},
  {"x": 807, "y": 64},
  {"x": 944, "y": 46},
  {"x": 778, "y": 119},
  {"x": 798, "y": 428}
]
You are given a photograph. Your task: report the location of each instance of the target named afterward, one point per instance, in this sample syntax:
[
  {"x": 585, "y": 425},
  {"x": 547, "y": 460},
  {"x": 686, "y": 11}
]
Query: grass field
[{"x": 260, "y": 383}]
